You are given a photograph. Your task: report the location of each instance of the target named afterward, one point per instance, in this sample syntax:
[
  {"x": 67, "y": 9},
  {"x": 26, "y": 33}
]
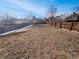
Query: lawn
[{"x": 40, "y": 42}]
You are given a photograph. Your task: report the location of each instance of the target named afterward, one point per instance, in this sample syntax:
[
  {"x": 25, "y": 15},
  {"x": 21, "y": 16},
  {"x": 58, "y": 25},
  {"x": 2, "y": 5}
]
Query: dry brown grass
[{"x": 40, "y": 43}]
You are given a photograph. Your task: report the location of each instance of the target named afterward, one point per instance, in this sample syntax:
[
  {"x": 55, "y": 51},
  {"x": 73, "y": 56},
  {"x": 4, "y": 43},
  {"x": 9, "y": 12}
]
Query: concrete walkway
[{"x": 16, "y": 31}]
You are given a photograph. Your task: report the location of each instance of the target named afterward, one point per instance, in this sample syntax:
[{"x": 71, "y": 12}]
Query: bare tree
[
  {"x": 51, "y": 12},
  {"x": 77, "y": 12},
  {"x": 77, "y": 9},
  {"x": 8, "y": 19}
]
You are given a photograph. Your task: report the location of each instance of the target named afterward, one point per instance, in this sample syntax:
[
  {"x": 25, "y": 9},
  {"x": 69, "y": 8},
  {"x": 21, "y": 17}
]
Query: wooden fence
[{"x": 66, "y": 25}]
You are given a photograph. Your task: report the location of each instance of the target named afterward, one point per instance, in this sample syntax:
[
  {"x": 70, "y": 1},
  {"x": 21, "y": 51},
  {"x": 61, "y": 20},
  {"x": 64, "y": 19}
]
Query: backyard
[{"x": 40, "y": 42}]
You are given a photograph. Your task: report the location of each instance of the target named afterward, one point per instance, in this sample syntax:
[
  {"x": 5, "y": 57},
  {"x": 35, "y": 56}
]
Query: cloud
[{"x": 28, "y": 6}]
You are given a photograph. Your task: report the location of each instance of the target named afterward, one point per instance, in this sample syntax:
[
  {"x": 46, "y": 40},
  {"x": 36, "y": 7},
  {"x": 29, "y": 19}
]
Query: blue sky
[{"x": 39, "y": 8}]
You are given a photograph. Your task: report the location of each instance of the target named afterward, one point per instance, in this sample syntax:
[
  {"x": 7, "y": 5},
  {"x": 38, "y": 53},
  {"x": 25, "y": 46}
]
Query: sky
[{"x": 39, "y": 8}]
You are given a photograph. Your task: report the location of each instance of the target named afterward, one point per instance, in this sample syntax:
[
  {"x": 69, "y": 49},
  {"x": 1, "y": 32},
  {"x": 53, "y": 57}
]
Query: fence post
[
  {"x": 71, "y": 28},
  {"x": 75, "y": 25},
  {"x": 55, "y": 24},
  {"x": 60, "y": 25}
]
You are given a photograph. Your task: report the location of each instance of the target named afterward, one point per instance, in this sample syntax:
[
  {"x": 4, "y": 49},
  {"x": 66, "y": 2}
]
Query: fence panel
[{"x": 66, "y": 25}]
